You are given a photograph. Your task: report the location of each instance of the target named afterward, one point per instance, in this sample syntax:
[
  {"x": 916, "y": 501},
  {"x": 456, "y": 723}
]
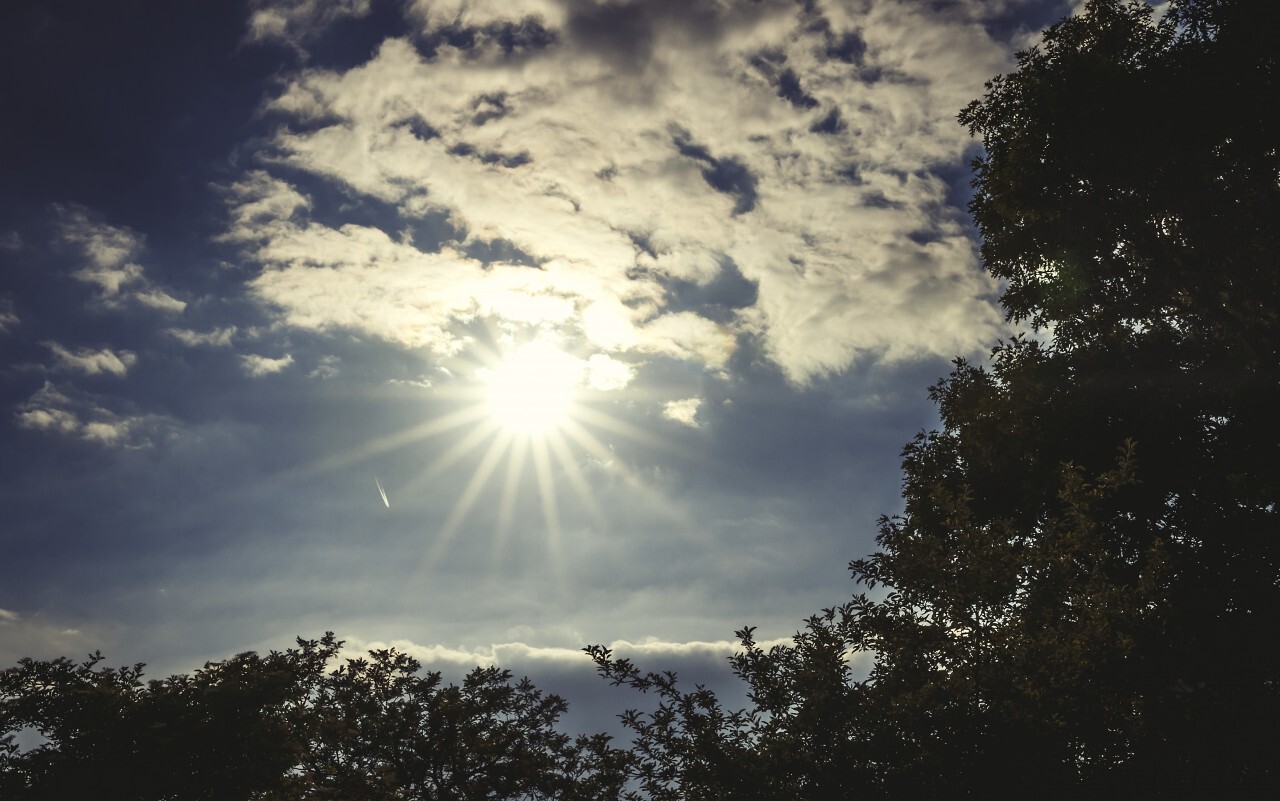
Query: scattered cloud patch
[
  {"x": 8, "y": 316},
  {"x": 422, "y": 382},
  {"x": 159, "y": 300},
  {"x": 257, "y": 366},
  {"x": 473, "y": 15},
  {"x": 259, "y": 202},
  {"x": 106, "y": 432},
  {"x": 294, "y": 22},
  {"x": 93, "y": 362},
  {"x": 683, "y": 411},
  {"x": 59, "y": 410},
  {"x": 326, "y": 368},
  {"x": 606, "y": 373},
  {"x": 36, "y": 415},
  {"x": 110, "y": 265},
  {"x": 217, "y": 337}
]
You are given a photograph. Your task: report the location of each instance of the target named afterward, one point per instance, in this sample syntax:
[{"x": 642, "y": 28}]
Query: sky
[{"x": 489, "y": 329}]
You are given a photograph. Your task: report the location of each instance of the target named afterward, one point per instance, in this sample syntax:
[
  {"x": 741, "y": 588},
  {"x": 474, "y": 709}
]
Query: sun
[
  {"x": 528, "y": 419},
  {"x": 531, "y": 391}
]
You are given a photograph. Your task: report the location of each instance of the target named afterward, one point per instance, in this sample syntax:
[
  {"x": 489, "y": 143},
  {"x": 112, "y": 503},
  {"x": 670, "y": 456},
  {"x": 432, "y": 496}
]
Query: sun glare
[
  {"x": 530, "y": 424},
  {"x": 532, "y": 390}
]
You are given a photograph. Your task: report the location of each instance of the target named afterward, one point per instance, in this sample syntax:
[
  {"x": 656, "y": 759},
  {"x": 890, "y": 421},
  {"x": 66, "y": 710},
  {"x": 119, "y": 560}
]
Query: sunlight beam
[
  {"x": 547, "y": 493},
  {"x": 560, "y": 449},
  {"x": 399, "y": 439},
  {"x": 510, "y": 489},
  {"x": 445, "y": 460},
  {"x": 479, "y": 478}
]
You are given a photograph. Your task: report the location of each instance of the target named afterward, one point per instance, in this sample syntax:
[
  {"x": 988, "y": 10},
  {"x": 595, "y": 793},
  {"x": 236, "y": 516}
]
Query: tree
[
  {"x": 803, "y": 738},
  {"x": 292, "y": 726},
  {"x": 1002, "y": 666},
  {"x": 229, "y": 730},
  {"x": 381, "y": 729},
  {"x": 1128, "y": 197},
  {"x": 1075, "y": 597}
]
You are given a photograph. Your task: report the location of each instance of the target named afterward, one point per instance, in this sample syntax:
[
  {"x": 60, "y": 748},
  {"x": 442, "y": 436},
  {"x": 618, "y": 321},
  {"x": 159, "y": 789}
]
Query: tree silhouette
[
  {"x": 291, "y": 726},
  {"x": 381, "y": 729},
  {"x": 229, "y": 730},
  {"x": 1073, "y": 599}
]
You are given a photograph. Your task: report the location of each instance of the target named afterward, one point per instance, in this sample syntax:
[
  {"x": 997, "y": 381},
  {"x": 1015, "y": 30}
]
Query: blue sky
[{"x": 627, "y": 308}]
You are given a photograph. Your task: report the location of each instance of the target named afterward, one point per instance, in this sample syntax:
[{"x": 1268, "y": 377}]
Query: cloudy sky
[{"x": 491, "y": 328}]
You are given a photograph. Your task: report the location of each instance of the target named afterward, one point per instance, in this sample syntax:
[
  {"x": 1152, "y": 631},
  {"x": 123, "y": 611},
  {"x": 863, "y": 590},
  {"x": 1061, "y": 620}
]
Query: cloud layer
[{"x": 628, "y": 154}]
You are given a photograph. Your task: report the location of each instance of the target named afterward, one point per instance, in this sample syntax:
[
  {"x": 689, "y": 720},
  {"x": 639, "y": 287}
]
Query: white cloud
[
  {"x": 523, "y": 654},
  {"x": 48, "y": 419},
  {"x": 55, "y": 410},
  {"x": 683, "y": 411},
  {"x": 421, "y": 382},
  {"x": 7, "y": 617},
  {"x": 110, "y": 278},
  {"x": 11, "y": 241},
  {"x": 606, "y": 373},
  {"x": 619, "y": 165},
  {"x": 688, "y": 337},
  {"x": 160, "y": 300},
  {"x": 259, "y": 203},
  {"x": 93, "y": 362},
  {"x": 257, "y": 366},
  {"x": 218, "y": 337},
  {"x": 293, "y": 22},
  {"x": 106, "y": 432},
  {"x": 327, "y": 368},
  {"x": 436, "y": 14},
  {"x": 110, "y": 254},
  {"x": 109, "y": 250}
]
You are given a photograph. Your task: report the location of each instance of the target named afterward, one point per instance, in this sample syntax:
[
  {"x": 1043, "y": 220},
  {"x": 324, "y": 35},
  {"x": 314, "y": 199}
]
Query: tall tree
[
  {"x": 1076, "y": 595},
  {"x": 1128, "y": 197}
]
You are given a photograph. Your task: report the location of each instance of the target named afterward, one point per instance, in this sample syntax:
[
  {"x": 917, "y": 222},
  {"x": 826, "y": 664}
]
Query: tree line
[{"x": 1078, "y": 599}]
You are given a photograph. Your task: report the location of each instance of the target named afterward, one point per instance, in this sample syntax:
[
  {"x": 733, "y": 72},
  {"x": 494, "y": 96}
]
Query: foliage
[
  {"x": 383, "y": 730},
  {"x": 226, "y": 731},
  {"x": 1075, "y": 597},
  {"x": 287, "y": 727}
]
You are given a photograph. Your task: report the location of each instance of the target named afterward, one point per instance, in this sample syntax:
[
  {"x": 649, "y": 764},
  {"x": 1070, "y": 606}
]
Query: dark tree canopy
[
  {"x": 292, "y": 726},
  {"x": 1077, "y": 596},
  {"x": 227, "y": 731},
  {"x": 1129, "y": 197}
]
